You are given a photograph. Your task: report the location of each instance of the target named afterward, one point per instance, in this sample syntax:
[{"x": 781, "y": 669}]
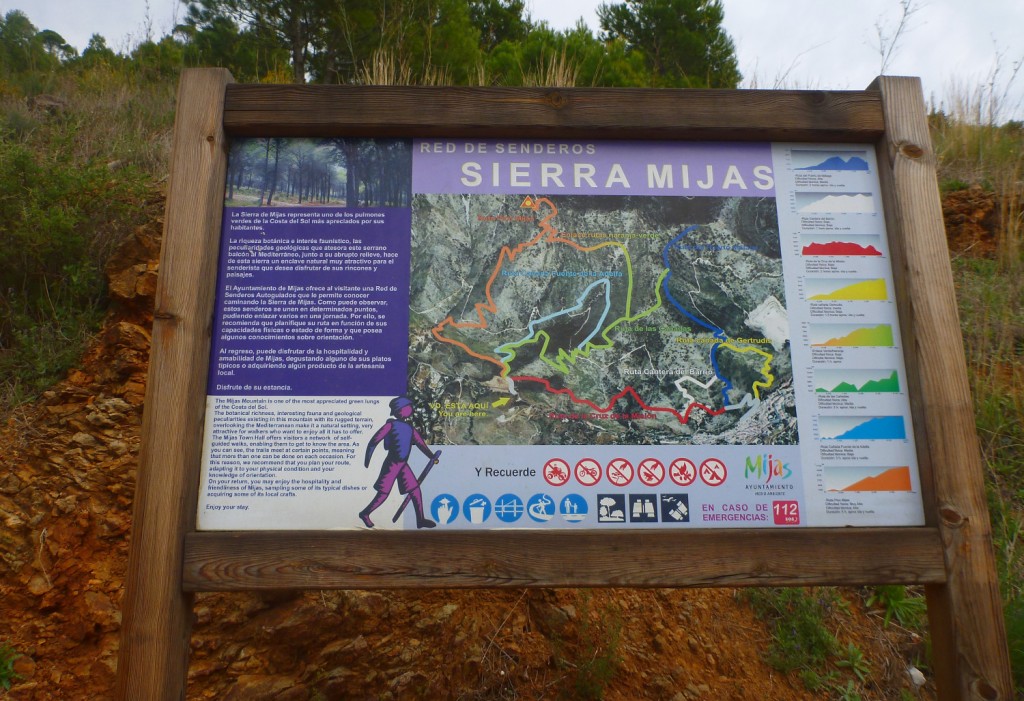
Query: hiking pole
[{"x": 423, "y": 476}]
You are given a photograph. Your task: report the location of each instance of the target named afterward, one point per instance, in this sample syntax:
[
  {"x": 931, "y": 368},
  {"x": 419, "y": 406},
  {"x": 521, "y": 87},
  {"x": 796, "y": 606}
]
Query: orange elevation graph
[{"x": 868, "y": 479}]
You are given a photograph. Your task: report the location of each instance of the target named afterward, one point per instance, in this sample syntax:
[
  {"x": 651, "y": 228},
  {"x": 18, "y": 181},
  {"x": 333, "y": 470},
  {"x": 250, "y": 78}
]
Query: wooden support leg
[{"x": 156, "y": 612}]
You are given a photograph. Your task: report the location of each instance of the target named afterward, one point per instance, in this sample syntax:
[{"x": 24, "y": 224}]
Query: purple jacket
[{"x": 398, "y": 437}]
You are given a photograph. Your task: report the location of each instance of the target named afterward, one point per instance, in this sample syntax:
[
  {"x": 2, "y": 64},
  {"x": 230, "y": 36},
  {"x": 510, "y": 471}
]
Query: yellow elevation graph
[
  {"x": 856, "y": 291},
  {"x": 851, "y": 335}
]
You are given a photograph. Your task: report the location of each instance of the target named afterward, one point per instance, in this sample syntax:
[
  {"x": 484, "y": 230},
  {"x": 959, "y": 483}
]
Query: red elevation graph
[{"x": 839, "y": 248}]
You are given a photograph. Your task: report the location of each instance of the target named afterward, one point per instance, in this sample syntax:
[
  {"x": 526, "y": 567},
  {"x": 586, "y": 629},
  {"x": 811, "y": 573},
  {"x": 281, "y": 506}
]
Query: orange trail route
[{"x": 547, "y": 232}]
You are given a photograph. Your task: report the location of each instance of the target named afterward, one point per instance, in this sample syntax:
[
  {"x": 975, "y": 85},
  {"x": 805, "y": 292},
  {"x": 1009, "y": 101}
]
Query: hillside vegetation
[
  {"x": 981, "y": 173},
  {"x": 84, "y": 141}
]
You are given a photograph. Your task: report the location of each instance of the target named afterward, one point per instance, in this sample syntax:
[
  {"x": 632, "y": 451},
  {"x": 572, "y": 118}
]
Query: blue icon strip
[{"x": 614, "y": 508}]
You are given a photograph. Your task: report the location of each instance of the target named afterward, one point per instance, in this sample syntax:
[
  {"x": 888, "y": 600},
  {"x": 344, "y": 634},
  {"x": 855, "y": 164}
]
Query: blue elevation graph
[
  {"x": 835, "y": 161},
  {"x": 863, "y": 428}
]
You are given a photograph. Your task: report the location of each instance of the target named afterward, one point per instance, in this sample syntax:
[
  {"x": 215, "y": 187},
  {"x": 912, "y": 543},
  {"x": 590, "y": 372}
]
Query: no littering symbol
[{"x": 620, "y": 472}]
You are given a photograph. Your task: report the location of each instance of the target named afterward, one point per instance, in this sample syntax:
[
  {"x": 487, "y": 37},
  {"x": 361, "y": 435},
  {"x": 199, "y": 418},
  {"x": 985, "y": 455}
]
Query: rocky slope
[{"x": 67, "y": 467}]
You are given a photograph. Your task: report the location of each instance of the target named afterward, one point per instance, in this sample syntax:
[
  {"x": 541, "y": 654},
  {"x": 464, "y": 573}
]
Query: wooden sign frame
[{"x": 169, "y": 560}]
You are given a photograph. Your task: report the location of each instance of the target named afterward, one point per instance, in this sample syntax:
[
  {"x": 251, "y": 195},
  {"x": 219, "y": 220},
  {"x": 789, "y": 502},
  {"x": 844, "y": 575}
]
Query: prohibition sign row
[{"x": 650, "y": 471}]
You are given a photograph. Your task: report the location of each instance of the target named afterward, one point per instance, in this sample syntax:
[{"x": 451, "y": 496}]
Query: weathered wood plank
[
  {"x": 157, "y": 615},
  {"x": 216, "y": 561},
  {"x": 966, "y": 612},
  {"x": 746, "y": 115}
]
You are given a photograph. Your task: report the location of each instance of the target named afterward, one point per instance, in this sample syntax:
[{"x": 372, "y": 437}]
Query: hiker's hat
[{"x": 399, "y": 403}]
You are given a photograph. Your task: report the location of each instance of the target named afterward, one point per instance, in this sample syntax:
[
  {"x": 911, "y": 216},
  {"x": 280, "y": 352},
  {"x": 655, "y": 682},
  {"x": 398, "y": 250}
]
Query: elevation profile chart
[
  {"x": 840, "y": 245},
  {"x": 846, "y": 290},
  {"x": 867, "y": 479},
  {"x": 814, "y": 161},
  {"x": 856, "y": 381},
  {"x": 828, "y": 203},
  {"x": 851, "y": 335},
  {"x": 862, "y": 428}
]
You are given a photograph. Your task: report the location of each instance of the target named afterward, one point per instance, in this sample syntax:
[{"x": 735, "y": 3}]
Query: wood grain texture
[
  {"x": 220, "y": 561},
  {"x": 156, "y": 614},
  {"x": 966, "y": 612},
  {"x": 622, "y": 113}
]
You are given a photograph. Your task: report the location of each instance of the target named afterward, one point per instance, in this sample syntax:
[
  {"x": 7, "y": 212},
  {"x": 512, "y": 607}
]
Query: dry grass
[
  {"x": 558, "y": 70},
  {"x": 387, "y": 68}
]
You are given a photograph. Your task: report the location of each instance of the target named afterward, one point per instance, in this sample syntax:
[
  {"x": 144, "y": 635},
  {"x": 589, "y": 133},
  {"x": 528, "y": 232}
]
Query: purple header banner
[{"x": 509, "y": 167}]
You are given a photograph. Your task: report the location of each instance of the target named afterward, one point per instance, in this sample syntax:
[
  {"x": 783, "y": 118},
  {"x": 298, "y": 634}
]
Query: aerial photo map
[{"x": 607, "y": 319}]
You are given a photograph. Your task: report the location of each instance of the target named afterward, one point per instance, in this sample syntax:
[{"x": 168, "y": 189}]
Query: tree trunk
[
  {"x": 351, "y": 184},
  {"x": 273, "y": 175},
  {"x": 297, "y": 39},
  {"x": 266, "y": 165}
]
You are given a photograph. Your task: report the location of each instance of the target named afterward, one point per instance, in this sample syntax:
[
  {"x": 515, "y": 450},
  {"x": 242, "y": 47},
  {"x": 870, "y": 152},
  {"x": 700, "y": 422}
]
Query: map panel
[{"x": 602, "y": 319}]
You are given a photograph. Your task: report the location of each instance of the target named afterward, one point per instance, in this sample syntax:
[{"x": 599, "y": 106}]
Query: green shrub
[
  {"x": 800, "y": 640},
  {"x": 1013, "y": 614},
  {"x": 596, "y": 657},
  {"x": 908, "y": 609},
  {"x": 7, "y": 674},
  {"x": 59, "y": 222}
]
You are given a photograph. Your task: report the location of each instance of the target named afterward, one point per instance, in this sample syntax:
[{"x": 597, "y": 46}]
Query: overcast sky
[{"x": 955, "y": 46}]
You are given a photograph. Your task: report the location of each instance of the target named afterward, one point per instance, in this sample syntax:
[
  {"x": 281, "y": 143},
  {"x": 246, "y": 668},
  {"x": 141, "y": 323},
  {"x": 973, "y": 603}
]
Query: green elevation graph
[{"x": 856, "y": 381}]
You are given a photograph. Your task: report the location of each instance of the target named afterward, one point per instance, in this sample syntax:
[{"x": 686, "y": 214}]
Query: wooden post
[
  {"x": 968, "y": 634},
  {"x": 157, "y": 614}
]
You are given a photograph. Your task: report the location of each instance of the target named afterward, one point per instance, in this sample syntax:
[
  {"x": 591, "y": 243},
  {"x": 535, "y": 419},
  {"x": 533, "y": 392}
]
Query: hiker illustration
[{"x": 399, "y": 436}]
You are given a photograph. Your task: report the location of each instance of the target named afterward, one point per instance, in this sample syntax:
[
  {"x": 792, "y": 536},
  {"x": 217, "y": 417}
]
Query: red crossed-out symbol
[
  {"x": 556, "y": 472},
  {"x": 651, "y": 472},
  {"x": 620, "y": 472},
  {"x": 713, "y": 472},
  {"x": 682, "y": 471},
  {"x": 588, "y": 472}
]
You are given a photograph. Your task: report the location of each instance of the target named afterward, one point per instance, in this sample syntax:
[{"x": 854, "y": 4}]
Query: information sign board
[
  {"x": 555, "y": 334},
  {"x": 814, "y": 382}
]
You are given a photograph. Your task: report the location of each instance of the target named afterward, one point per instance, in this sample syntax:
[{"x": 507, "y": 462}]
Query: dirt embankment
[
  {"x": 972, "y": 221},
  {"x": 66, "y": 485}
]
